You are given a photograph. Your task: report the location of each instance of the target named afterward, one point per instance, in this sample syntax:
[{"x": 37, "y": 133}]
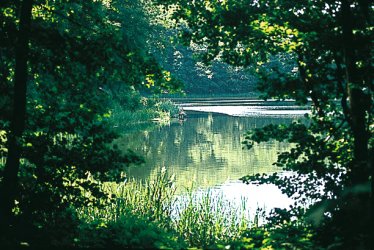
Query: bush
[
  {"x": 169, "y": 107},
  {"x": 128, "y": 231},
  {"x": 289, "y": 236},
  {"x": 134, "y": 110}
]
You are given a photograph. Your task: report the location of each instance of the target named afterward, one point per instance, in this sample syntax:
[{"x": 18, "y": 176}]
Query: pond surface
[{"x": 206, "y": 149}]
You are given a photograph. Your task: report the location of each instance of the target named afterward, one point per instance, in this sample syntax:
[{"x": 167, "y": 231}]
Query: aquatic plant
[{"x": 199, "y": 219}]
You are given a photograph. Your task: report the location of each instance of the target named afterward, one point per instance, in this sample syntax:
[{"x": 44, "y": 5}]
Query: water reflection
[{"x": 206, "y": 149}]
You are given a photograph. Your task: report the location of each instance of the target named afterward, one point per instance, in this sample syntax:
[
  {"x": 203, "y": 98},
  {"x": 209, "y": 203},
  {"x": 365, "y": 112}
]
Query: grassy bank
[
  {"x": 135, "y": 111},
  {"x": 149, "y": 216},
  {"x": 190, "y": 220}
]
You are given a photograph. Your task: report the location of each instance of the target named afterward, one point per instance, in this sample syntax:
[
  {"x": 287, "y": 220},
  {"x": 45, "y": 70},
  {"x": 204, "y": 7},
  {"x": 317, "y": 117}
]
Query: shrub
[{"x": 128, "y": 231}]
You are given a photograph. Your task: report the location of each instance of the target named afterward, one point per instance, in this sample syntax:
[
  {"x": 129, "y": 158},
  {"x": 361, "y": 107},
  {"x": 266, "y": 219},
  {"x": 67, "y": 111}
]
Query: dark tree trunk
[
  {"x": 10, "y": 175},
  {"x": 309, "y": 85},
  {"x": 358, "y": 105},
  {"x": 359, "y": 203}
]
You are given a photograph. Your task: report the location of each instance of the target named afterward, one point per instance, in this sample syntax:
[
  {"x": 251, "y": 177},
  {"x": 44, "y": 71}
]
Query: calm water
[{"x": 207, "y": 149}]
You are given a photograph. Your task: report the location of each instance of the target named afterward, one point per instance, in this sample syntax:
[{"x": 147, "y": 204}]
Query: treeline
[{"x": 215, "y": 78}]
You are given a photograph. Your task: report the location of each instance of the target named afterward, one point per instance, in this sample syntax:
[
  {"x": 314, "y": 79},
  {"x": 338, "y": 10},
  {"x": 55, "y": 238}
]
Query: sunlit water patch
[
  {"x": 237, "y": 199},
  {"x": 250, "y": 110}
]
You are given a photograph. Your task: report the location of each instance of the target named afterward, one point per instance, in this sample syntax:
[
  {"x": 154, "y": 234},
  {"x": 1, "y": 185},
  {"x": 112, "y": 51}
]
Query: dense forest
[
  {"x": 77, "y": 74},
  {"x": 215, "y": 79}
]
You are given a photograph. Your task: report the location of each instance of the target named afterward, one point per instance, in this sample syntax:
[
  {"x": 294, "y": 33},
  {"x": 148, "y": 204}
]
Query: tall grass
[
  {"x": 152, "y": 109},
  {"x": 200, "y": 219},
  {"x": 205, "y": 219}
]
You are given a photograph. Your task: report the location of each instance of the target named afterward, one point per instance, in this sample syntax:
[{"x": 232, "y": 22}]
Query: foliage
[
  {"x": 217, "y": 78},
  {"x": 127, "y": 231},
  {"x": 138, "y": 215},
  {"x": 198, "y": 221},
  {"x": 311, "y": 50},
  {"x": 287, "y": 236},
  {"x": 80, "y": 48},
  {"x": 78, "y": 51},
  {"x": 140, "y": 111}
]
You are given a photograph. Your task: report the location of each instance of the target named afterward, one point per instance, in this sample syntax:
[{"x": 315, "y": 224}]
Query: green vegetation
[
  {"x": 150, "y": 215},
  {"x": 217, "y": 79},
  {"x": 70, "y": 77},
  {"x": 317, "y": 50},
  {"x": 131, "y": 110},
  {"x": 59, "y": 60}
]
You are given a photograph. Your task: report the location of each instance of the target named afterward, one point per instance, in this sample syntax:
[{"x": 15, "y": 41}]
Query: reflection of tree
[{"x": 207, "y": 148}]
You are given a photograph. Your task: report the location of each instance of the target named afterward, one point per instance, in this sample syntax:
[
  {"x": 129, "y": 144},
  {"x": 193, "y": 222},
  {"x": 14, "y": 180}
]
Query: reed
[
  {"x": 151, "y": 109},
  {"x": 201, "y": 219},
  {"x": 206, "y": 219}
]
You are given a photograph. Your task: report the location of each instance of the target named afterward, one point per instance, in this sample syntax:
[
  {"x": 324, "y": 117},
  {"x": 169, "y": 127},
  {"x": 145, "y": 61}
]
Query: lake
[{"x": 206, "y": 149}]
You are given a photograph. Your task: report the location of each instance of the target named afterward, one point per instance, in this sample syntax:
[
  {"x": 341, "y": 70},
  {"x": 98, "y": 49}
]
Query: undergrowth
[{"x": 193, "y": 219}]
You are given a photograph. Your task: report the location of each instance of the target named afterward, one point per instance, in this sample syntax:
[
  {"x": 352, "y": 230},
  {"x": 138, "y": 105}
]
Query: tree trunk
[
  {"x": 10, "y": 176},
  {"x": 359, "y": 106}
]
